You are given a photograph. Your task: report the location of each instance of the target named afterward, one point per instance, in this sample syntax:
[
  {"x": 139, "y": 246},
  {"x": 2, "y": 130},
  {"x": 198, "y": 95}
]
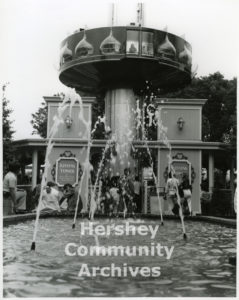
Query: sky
[{"x": 31, "y": 32}]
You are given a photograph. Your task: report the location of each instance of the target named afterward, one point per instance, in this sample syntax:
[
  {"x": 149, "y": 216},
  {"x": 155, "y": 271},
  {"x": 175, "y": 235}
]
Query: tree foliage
[
  {"x": 39, "y": 118},
  {"x": 7, "y": 129},
  {"x": 219, "y": 112},
  {"x": 39, "y": 121},
  {"x": 218, "y": 115}
]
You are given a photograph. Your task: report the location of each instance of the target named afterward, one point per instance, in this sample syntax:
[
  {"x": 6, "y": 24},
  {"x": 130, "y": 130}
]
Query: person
[
  {"x": 204, "y": 183},
  {"x": 50, "y": 197},
  {"x": 137, "y": 193},
  {"x": 127, "y": 192},
  {"x": 186, "y": 195},
  {"x": 70, "y": 196},
  {"x": 114, "y": 193},
  {"x": 13, "y": 199},
  {"x": 171, "y": 190},
  {"x": 108, "y": 202},
  {"x": 206, "y": 196},
  {"x": 35, "y": 196}
]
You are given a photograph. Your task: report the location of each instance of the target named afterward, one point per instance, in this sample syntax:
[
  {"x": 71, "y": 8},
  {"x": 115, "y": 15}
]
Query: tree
[
  {"x": 7, "y": 129},
  {"x": 39, "y": 121},
  {"x": 219, "y": 112}
]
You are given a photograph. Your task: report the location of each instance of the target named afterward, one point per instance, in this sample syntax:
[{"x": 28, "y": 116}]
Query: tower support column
[{"x": 119, "y": 110}]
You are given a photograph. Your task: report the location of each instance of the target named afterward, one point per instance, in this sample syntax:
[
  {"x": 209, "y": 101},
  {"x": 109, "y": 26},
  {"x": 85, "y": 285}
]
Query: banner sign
[
  {"x": 67, "y": 171},
  {"x": 148, "y": 173}
]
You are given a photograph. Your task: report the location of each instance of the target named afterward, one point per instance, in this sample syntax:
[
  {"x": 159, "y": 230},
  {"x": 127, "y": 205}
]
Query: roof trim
[
  {"x": 193, "y": 145},
  {"x": 179, "y": 101},
  {"x": 57, "y": 99}
]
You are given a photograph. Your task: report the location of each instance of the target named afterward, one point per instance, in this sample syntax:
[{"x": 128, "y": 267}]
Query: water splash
[
  {"x": 86, "y": 167},
  {"x": 163, "y": 137},
  {"x": 57, "y": 121},
  {"x": 119, "y": 143}
]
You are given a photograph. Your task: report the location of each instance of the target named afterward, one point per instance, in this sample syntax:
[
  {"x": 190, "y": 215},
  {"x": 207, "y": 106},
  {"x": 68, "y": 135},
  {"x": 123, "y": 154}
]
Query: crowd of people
[{"x": 118, "y": 194}]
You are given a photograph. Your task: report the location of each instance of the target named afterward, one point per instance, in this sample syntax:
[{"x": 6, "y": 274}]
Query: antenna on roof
[
  {"x": 140, "y": 14},
  {"x": 113, "y": 15}
]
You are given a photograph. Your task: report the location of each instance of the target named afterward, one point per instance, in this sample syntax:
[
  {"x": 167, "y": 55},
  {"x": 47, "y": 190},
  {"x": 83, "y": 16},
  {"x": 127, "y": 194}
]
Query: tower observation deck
[{"x": 116, "y": 57}]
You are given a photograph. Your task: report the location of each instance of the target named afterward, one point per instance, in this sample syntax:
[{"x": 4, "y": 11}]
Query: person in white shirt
[
  {"x": 114, "y": 193},
  {"x": 12, "y": 197},
  {"x": 171, "y": 190},
  {"x": 50, "y": 197}
]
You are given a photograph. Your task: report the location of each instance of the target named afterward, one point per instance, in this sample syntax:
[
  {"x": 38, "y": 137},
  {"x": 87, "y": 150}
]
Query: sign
[
  {"x": 67, "y": 171},
  {"x": 148, "y": 173},
  {"x": 182, "y": 167}
]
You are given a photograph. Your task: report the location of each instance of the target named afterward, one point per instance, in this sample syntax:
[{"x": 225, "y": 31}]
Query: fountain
[
  {"x": 119, "y": 62},
  {"x": 114, "y": 69}
]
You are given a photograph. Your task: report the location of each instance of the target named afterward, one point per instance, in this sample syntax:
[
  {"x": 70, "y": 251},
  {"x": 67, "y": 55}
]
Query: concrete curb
[{"x": 14, "y": 219}]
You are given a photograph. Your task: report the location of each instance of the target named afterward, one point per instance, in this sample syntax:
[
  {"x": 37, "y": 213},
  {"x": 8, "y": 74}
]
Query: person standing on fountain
[
  {"x": 71, "y": 195},
  {"x": 171, "y": 190}
]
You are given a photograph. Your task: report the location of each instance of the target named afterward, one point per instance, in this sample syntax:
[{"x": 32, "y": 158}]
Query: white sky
[{"x": 32, "y": 30}]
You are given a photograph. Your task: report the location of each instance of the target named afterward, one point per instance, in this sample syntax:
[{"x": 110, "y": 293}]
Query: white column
[
  {"x": 211, "y": 171},
  {"x": 34, "y": 167},
  {"x": 119, "y": 106}
]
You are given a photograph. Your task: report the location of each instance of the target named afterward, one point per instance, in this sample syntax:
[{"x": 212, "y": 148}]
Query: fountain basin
[{"x": 198, "y": 266}]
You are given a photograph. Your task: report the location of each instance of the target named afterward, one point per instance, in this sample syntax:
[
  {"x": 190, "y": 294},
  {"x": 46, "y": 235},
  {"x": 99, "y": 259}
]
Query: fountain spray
[
  {"x": 141, "y": 122},
  {"x": 162, "y": 131},
  {"x": 58, "y": 119},
  {"x": 87, "y": 163}
]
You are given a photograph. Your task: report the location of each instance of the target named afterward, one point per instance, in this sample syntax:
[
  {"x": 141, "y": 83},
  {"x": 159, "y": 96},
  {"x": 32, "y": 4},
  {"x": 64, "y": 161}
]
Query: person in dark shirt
[
  {"x": 71, "y": 195},
  {"x": 185, "y": 192}
]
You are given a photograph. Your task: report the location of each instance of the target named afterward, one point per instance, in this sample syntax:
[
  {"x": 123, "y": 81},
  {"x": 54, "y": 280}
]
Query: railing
[
  {"x": 151, "y": 191},
  {"x": 220, "y": 203}
]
